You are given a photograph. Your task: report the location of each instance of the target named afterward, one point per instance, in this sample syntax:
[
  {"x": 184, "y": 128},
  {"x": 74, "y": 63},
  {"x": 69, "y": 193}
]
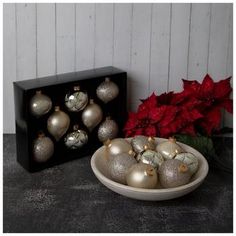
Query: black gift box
[{"x": 56, "y": 87}]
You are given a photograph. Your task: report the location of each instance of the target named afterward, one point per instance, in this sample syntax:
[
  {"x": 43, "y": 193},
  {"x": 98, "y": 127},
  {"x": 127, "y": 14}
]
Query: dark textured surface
[{"x": 69, "y": 198}]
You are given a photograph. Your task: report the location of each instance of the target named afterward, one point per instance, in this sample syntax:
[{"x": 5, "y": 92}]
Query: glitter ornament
[{"x": 139, "y": 142}]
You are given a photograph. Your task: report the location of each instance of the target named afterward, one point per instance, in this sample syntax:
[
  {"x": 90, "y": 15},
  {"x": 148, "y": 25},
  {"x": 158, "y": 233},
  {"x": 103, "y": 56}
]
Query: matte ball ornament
[
  {"x": 142, "y": 175},
  {"x": 139, "y": 142},
  {"x": 174, "y": 173},
  {"x": 108, "y": 130},
  {"x": 40, "y": 104},
  {"x": 119, "y": 166},
  {"x": 190, "y": 160},
  {"x": 169, "y": 149},
  {"x": 43, "y": 148},
  {"x": 92, "y": 115},
  {"x": 107, "y": 91},
  {"x": 76, "y": 139},
  {"x": 58, "y": 123},
  {"x": 77, "y": 100}
]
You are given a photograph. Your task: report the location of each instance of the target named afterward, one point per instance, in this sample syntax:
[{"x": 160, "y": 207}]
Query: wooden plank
[
  {"x": 9, "y": 66},
  {"x": 180, "y": 21},
  {"x": 26, "y": 40},
  {"x": 140, "y": 53},
  {"x": 160, "y": 48},
  {"x": 46, "y": 61},
  {"x": 85, "y": 40},
  {"x": 104, "y": 35},
  {"x": 199, "y": 41},
  {"x": 65, "y": 34}
]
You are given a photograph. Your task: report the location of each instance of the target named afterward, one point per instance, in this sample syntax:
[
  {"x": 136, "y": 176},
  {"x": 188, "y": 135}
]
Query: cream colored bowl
[{"x": 99, "y": 167}]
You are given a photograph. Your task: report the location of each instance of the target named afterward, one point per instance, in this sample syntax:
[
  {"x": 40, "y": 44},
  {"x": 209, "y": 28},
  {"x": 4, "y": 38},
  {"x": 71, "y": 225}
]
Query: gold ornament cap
[
  {"x": 38, "y": 92},
  {"x": 57, "y": 108},
  {"x": 76, "y": 88}
]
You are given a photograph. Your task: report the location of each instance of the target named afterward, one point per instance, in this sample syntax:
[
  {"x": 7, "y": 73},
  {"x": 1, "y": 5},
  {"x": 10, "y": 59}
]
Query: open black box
[{"x": 56, "y": 87}]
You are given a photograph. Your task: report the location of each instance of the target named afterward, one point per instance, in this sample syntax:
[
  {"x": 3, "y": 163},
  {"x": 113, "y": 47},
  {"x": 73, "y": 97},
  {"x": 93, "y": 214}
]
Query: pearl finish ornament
[
  {"x": 58, "y": 123},
  {"x": 92, "y": 115},
  {"x": 107, "y": 91},
  {"x": 142, "y": 175},
  {"x": 40, "y": 104},
  {"x": 108, "y": 130},
  {"x": 169, "y": 149},
  {"x": 43, "y": 148},
  {"x": 139, "y": 142}
]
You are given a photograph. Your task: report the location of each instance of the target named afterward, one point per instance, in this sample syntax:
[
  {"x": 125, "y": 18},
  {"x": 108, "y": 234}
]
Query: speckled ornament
[
  {"x": 107, "y": 91},
  {"x": 139, "y": 142},
  {"x": 173, "y": 173},
  {"x": 40, "y": 104}
]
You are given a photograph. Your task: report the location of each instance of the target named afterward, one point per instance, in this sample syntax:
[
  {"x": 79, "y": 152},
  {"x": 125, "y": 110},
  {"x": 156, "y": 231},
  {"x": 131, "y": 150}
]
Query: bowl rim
[{"x": 99, "y": 175}]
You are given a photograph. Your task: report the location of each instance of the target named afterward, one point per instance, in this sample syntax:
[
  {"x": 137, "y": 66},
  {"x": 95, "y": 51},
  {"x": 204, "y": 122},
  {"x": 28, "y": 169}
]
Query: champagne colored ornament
[
  {"x": 107, "y": 91},
  {"x": 117, "y": 146},
  {"x": 174, "y": 173},
  {"x": 43, "y": 148},
  {"x": 40, "y": 104},
  {"x": 119, "y": 165},
  {"x": 190, "y": 160},
  {"x": 76, "y": 139},
  {"x": 92, "y": 115},
  {"x": 142, "y": 175},
  {"x": 108, "y": 130},
  {"x": 169, "y": 149},
  {"x": 139, "y": 142},
  {"x": 76, "y": 101},
  {"x": 58, "y": 123}
]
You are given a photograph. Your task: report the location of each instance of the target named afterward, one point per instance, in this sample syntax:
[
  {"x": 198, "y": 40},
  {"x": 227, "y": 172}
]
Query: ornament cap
[
  {"x": 75, "y": 127},
  {"x": 107, "y": 143},
  {"x": 151, "y": 139},
  {"x": 38, "y": 92},
  {"x": 91, "y": 101},
  {"x": 57, "y": 108},
  {"x": 76, "y": 88},
  {"x": 41, "y": 134},
  {"x": 145, "y": 147},
  {"x": 150, "y": 171},
  {"x": 131, "y": 152},
  {"x": 108, "y": 118},
  {"x": 172, "y": 139},
  {"x": 107, "y": 79},
  {"x": 183, "y": 168}
]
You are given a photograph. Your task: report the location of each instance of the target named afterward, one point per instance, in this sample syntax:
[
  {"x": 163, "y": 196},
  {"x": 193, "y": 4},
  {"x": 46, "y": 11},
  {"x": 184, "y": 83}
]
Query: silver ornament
[
  {"x": 76, "y": 101},
  {"x": 142, "y": 175},
  {"x": 108, "y": 130},
  {"x": 119, "y": 165},
  {"x": 58, "y": 123},
  {"x": 169, "y": 149},
  {"x": 76, "y": 139},
  {"x": 139, "y": 142},
  {"x": 92, "y": 115},
  {"x": 43, "y": 148},
  {"x": 190, "y": 160},
  {"x": 152, "y": 158},
  {"x": 174, "y": 173},
  {"x": 40, "y": 104},
  {"x": 107, "y": 90}
]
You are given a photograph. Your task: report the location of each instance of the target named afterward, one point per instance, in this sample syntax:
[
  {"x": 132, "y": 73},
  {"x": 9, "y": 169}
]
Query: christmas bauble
[
  {"x": 92, "y": 115},
  {"x": 142, "y": 175},
  {"x": 40, "y": 104},
  {"x": 76, "y": 139},
  {"x": 117, "y": 146},
  {"x": 169, "y": 149},
  {"x": 119, "y": 165},
  {"x": 173, "y": 173},
  {"x": 139, "y": 142},
  {"x": 190, "y": 160},
  {"x": 152, "y": 158},
  {"x": 58, "y": 123},
  {"x": 108, "y": 130},
  {"x": 43, "y": 148},
  {"x": 107, "y": 90},
  {"x": 77, "y": 100}
]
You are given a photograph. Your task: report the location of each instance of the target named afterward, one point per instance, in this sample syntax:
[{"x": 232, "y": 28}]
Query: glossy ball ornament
[
  {"x": 107, "y": 91},
  {"x": 43, "y": 148},
  {"x": 142, "y": 175},
  {"x": 92, "y": 115},
  {"x": 190, "y": 160},
  {"x": 58, "y": 123},
  {"x": 119, "y": 165},
  {"x": 169, "y": 149},
  {"x": 173, "y": 173},
  {"x": 76, "y": 139},
  {"x": 77, "y": 100},
  {"x": 108, "y": 130},
  {"x": 139, "y": 142},
  {"x": 40, "y": 104}
]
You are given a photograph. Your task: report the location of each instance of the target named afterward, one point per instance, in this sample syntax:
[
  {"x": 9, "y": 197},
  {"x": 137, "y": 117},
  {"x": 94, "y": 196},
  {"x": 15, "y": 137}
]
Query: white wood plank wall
[{"x": 157, "y": 44}]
